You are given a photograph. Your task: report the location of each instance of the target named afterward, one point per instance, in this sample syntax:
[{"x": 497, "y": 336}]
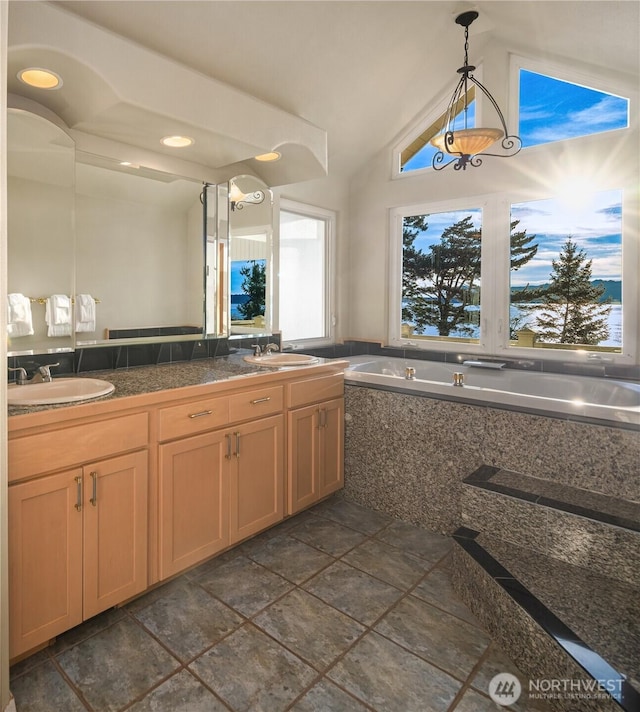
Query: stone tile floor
[{"x": 340, "y": 609}]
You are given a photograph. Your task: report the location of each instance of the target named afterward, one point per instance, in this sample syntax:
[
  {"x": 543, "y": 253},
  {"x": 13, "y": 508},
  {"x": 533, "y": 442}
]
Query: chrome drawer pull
[
  {"x": 78, "y": 504},
  {"x": 261, "y": 400},
  {"x": 200, "y": 414}
]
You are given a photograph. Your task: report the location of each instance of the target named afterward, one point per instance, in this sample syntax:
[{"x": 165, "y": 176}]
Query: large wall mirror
[
  {"x": 139, "y": 251},
  {"x": 139, "y": 254}
]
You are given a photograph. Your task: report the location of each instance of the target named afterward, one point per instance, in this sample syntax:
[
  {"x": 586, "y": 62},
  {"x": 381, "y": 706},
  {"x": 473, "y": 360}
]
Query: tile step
[
  {"x": 556, "y": 620},
  {"x": 583, "y": 528}
]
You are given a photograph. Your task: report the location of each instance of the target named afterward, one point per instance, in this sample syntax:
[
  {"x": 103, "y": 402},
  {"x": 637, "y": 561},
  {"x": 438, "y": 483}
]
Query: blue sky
[
  {"x": 551, "y": 110},
  {"x": 236, "y": 278}
]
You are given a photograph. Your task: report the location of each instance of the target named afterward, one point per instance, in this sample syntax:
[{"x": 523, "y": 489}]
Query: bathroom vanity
[{"x": 110, "y": 497}]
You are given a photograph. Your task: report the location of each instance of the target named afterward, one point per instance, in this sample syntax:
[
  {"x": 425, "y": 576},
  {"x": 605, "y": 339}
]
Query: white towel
[
  {"x": 19, "y": 320},
  {"x": 85, "y": 312},
  {"x": 58, "y": 315}
]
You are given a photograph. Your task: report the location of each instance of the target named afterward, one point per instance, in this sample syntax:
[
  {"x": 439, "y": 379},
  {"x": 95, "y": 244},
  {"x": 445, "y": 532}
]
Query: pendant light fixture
[{"x": 464, "y": 145}]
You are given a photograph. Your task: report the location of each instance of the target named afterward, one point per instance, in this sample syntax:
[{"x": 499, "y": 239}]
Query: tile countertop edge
[{"x": 210, "y": 381}]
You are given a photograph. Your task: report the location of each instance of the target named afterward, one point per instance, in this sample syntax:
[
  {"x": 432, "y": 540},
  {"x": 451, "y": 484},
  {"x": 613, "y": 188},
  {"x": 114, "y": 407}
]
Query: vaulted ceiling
[{"x": 361, "y": 70}]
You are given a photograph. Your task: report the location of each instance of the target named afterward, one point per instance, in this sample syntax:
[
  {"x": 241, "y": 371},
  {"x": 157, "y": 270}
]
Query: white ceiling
[{"x": 361, "y": 70}]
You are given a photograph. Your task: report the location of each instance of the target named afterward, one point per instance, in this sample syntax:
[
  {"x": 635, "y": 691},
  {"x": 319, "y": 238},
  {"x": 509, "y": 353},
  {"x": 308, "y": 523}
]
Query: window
[
  {"x": 554, "y": 110},
  {"x": 551, "y": 272},
  {"x": 441, "y": 264},
  {"x": 566, "y": 275},
  {"x": 304, "y": 311}
]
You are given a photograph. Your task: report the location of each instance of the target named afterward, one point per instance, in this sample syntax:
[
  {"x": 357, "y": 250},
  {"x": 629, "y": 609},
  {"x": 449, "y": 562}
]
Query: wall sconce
[
  {"x": 465, "y": 144},
  {"x": 238, "y": 199}
]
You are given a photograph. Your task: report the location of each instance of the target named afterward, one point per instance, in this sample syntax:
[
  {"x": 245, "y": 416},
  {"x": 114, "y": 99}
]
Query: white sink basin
[
  {"x": 275, "y": 360},
  {"x": 59, "y": 390}
]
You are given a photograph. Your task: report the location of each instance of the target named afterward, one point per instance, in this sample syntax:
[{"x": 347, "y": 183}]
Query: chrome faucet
[
  {"x": 257, "y": 351},
  {"x": 269, "y": 348},
  {"x": 45, "y": 373},
  {"x": 42, "y": 375}
]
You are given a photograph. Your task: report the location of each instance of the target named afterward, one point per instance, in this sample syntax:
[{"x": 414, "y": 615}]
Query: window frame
[
  {"x": 495, "y": 283},
  {"x": 329, "y": 217}
]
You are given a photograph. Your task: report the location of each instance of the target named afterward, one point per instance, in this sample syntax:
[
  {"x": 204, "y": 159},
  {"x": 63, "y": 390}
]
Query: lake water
[{"x": 615, "y": 324}]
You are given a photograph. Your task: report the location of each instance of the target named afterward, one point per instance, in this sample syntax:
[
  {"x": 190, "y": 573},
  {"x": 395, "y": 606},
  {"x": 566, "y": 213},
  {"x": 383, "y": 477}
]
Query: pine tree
[
  {"x": 254, "y": 285},
  {"x": 439, "y": 286},
  {"x": 573, "y": 313},
  {"x": 521, "y": 248}
]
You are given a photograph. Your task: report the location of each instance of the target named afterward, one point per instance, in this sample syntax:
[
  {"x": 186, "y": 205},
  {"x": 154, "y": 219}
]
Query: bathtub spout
[{"x": 485, "y": 364}]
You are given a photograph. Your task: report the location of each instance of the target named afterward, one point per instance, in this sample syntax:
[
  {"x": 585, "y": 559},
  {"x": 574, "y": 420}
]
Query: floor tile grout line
[
  {"x": 470, "y": 677},
  {"x": 70, "y": 683}
]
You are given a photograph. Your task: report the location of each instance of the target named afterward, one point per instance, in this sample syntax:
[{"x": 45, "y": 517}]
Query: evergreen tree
[
  {"x": 414, "y": 269},
  {"x": 439, "y": 286},
  {"x": 254, "y": 285},
  {"x": 573, "y": 313},
  {"x": 521, "y": 248}
]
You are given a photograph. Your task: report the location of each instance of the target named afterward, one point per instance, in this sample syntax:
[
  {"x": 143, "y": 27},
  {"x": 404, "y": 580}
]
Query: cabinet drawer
[
  {"x": 313, "y": 390},
  {"x": 192, "y": 418},
  {"x": 256, "y": 403},
  {"x": 57, "y": 449}
]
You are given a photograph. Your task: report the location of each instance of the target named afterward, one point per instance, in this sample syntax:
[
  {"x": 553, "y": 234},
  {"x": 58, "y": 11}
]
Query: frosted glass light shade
[{"x": 467, "y": 142}]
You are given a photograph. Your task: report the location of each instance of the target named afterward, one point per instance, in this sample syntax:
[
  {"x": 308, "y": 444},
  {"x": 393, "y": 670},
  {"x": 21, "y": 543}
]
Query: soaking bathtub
[{"x": 560, "y": 395}]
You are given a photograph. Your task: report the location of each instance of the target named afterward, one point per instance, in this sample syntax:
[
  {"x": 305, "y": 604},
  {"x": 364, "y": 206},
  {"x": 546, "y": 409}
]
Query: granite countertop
[{"x": 150, "y": 379}]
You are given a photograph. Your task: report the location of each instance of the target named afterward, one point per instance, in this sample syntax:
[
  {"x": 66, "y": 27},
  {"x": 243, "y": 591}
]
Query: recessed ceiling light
[
  {"x": 271, "y": 156},
  {"x": 40, "y": 78},
  {"x": 177, "y": 141}
]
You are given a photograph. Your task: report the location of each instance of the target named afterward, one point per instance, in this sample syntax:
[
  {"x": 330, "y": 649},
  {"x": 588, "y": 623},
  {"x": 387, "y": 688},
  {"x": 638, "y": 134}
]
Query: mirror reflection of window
[
  {"x": 250, "y": 256},
  {"x": 304, "y": 294}
]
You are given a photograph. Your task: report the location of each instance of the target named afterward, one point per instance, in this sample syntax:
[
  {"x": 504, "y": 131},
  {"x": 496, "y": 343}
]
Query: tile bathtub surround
[
  {"x": 407, "y": 455},
  {"x": 290, "y": 620}
]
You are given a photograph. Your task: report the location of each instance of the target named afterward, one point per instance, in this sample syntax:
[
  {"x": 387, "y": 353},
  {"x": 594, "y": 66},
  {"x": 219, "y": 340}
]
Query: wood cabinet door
[
  {"x": 256, "y": 477},
  {"x": 303, "y": 458},
  {"x": 45, "y": 559},
  {"x": 115, "y": 531},
  {"x": 331, "y": 447},
  {"x": 194, "y": 500}
]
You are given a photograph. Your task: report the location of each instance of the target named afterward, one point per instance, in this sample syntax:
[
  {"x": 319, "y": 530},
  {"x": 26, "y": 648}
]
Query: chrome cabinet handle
[
  {"x": 322, "y": 418},
  {"x": 228, "y": 438},
  {"x": 200, "y": 414},
  {"x": 261, "y": 400},
  {"x": 94, "y": 488},
  {"x": 237, "y": 434},
  {"x": 78, "y": 504}
]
